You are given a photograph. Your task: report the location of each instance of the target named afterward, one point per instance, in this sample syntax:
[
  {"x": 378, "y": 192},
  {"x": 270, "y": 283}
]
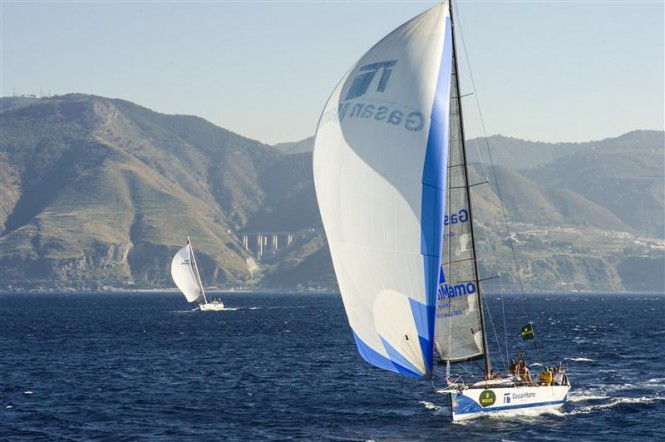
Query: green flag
[{"x": 527, "y": 332}]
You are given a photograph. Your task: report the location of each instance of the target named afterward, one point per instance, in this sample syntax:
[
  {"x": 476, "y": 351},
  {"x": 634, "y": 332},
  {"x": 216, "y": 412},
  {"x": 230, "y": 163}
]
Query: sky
[{"x": 555, "y": 71}]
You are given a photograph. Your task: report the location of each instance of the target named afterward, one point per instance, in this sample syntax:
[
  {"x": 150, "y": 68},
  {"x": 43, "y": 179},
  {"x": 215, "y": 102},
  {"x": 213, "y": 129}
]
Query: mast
[
  {"x": 192, "y": 259},
  {"x": 476, "y": 277}
]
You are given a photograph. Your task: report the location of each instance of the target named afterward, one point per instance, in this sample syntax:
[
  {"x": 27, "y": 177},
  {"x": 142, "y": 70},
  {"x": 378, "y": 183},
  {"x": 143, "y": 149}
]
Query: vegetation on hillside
[{"x": 99, "y": 194}]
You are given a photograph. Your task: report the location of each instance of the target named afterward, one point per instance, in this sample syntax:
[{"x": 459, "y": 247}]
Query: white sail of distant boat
[
  {"x": 185, "y": 273},
  {"x": 390, "y": 173}
]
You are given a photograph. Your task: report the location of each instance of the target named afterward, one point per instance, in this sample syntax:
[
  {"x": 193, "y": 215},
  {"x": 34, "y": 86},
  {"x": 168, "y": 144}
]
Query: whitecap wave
[
  {"x": 439, "y": 410},
  {"x": 615, "y": 403},
  {"x": 605, "y": 391},
  {"x": 584, "y": 398},
  {"x": 526, "y": 415},
  {"x": 579, "y": 359},
  {"x": 656, "y": 381},
  {"x": 429, "y": 405}
]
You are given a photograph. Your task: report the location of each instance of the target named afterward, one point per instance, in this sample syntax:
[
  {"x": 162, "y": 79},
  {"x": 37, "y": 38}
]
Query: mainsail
[
  {"x": 185, "y": 274},
  {"x": 459, "y": 334},
  {"x": 379, "y": 171}
]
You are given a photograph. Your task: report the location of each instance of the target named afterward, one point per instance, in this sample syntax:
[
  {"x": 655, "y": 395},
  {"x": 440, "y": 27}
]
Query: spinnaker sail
[
  {"x": 185, "y": 275},
  {"x": 379, "y": 172}
]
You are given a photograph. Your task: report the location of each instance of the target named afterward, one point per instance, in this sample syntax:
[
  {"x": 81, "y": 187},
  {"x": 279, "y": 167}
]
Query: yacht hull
[
  {"x": 469, "y": 403},
  {"x": 212, "y": 307}
]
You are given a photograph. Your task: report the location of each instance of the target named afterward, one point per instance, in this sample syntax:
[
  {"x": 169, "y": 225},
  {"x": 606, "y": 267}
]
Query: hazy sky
[{"x": 544, "y": 70}]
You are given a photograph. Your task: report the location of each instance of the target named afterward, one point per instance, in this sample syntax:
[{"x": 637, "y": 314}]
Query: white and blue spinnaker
[{"x": 380, "y": 170}]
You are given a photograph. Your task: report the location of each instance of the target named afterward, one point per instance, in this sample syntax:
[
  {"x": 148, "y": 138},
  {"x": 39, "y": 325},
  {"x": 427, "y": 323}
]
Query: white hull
[
  {"x": 473, "y": 402},
  {"x": 212, "y": 306}
]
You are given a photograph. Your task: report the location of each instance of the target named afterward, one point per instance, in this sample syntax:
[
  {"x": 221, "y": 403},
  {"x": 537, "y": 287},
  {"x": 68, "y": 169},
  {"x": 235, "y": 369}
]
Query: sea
[{"x": 284, "y": 367}]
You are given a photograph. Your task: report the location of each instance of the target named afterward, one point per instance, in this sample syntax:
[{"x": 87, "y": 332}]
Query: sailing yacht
[
  {"x": 392, "y": 184},
  {"x": 185, "y": 273}
]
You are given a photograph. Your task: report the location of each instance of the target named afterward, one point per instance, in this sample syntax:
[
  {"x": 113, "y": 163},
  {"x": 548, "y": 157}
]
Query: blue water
[{"x": 284, "y": 367}]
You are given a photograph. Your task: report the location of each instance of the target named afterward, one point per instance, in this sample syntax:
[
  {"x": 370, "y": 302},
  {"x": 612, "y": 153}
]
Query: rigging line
[
  {"x": 458, "y": 261},
  {"x": 533, "y": 330},
  {"x": 465, "y": 160},
  {"x": 473, "y": 87},
  {"x": 479, "y": 183},
  {"x": 489, "y": 152},
  {"x": 458, "y": 102},
  {"x": 496, "y": 336},
  {"x": 503, "y": 313},
  {"x": 490, "y": 278},
  {"x": 192, "y": 258},
  {"x": 510, "y": 241},
  {"x": 484, "y": 130},
  {"x": 450, "y": 248}
]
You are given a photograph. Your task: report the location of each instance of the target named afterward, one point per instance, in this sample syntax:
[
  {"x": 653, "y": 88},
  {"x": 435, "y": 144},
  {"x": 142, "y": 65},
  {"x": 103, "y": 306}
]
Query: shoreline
[{"x": 286, "y": 291}]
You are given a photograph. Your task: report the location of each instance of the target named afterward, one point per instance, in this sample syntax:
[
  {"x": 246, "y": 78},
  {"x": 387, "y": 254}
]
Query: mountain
[
  {"x": 11, "y": 102},
  {"x": 517, "y": 154},
  {"x": 306, "y": 145},
  {"x": 99, "y": 194},
  {"x": 625, "y": 175},
  {"x": 96, "y": 189},
  {"x": 509, "y": 152}
]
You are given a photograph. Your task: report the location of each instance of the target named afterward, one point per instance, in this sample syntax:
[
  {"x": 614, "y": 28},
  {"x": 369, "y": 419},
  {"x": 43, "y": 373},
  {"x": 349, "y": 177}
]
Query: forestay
[
  {"x": 183, "y": 273},
  {"x": 379, "y": 172}
]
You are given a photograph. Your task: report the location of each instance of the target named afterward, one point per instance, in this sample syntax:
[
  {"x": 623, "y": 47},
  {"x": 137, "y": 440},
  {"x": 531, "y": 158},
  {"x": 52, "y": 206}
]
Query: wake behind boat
[
  {"x": 185, "y": 273},
  {"x": 392, "y": 184}
]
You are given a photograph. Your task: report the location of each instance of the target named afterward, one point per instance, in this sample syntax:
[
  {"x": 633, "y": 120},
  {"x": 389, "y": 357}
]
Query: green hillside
[{"x": 103, "y": 192}]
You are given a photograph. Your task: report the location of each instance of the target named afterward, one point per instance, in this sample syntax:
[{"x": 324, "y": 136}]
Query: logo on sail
[
  {"x": 453, "y": 291},
  {"x": 366, "y": 75},
  {"x": 487, "y": 398},
  {"x": 374, "y": 77},
  {"x": 462, "y": 216}
]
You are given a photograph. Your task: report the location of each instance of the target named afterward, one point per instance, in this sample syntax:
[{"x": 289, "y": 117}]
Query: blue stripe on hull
[{"x": 515, "y": 407}]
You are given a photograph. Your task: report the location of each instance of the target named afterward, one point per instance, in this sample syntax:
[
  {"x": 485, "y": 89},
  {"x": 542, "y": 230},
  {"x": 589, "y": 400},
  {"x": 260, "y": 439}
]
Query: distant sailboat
[
  {"x": 393, "y": 189},
  {"x": 186, "y": 276}
]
